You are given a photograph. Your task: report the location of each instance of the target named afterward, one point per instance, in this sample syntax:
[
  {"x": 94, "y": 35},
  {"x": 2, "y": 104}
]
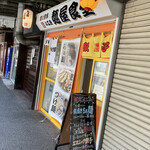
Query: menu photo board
[{"x": 83, "y": 121}]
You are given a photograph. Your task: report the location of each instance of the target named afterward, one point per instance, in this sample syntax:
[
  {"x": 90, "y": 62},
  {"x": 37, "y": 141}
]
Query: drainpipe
[{"x": 19, "y": 30}]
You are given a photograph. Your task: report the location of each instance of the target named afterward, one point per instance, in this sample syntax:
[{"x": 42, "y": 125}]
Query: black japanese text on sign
[{"x": 65, "y": 14}]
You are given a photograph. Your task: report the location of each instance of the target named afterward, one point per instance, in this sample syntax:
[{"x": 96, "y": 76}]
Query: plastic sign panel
[{"x": 70, "y": 13}]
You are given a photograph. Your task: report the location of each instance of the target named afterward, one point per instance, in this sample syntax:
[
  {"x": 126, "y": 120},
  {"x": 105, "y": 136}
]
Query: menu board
[{"x": 83, "y": 121}]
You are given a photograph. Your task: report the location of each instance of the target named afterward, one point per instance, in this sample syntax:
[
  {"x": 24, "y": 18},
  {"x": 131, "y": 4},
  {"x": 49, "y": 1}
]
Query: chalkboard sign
[{"x": 83, "y": 121}]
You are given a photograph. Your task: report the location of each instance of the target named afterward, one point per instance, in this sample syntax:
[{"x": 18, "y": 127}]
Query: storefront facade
[
  {"x": 95, "y": 35},
  {"x": 6, "y": 40}
]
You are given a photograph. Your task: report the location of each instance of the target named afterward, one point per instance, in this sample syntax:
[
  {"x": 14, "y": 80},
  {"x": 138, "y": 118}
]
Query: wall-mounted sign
[
  {"x": 69, "y": 13},
  {"x": 27, "y": 18},
  {"x": 7, "y": 21}
]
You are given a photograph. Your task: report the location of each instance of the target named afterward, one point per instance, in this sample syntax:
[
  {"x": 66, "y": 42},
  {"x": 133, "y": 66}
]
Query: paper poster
[
  {"x": 32, "y": 55},
  {"x": 33, "y": 52},
  {"x": 47, "y": 41},
  {"x": 52, "y": 50},
  {"x": 98, "y": 90},
  {"x": 53, "y": 47},
  {"x": 64, "y": 78},
  {"x": 59, "y": 105},
  {"x": 49, "y": 52},
  {"x": 98, "y": 81}
]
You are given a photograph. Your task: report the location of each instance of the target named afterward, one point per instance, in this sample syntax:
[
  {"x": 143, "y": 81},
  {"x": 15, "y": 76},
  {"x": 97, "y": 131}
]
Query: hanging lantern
[
  {"x": 27, "y": 18},
  {"x": 89, "y": 4}
]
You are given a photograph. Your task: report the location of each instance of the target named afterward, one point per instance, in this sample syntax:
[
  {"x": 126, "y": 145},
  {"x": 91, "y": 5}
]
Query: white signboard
[
  {"x": 7, "y": 21},
  {"x": 69, "y": 13},
  {"x": 52, "y": 50}
]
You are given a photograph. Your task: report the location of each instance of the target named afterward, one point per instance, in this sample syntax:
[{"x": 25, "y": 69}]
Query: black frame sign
[{"x": 83, "y": 121}]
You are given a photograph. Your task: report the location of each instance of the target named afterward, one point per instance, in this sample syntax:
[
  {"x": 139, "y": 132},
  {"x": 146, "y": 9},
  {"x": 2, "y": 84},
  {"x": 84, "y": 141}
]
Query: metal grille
[{"x": 128, "y": 118}]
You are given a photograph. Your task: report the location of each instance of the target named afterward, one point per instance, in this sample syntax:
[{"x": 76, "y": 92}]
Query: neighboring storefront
[
  {"x": 79, "y": 55},
  {"x": 127, "y": 125},
  {"x": 6, "y": 40},
  {"x": 26, "y": 56}
]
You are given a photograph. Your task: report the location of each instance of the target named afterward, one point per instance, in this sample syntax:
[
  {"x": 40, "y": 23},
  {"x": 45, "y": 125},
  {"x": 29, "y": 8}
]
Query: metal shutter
[{"x": 128, "y": 119}]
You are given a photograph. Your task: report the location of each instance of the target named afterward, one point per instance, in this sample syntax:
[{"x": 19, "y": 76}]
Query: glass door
[
  {"x": 94, "y": 78},
  {"x": 50, "y": 80}
]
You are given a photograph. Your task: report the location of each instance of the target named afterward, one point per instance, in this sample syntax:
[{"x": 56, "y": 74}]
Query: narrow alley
[
  {"x": 75, "y": 75},
  {"x": 20, "y": 127}
]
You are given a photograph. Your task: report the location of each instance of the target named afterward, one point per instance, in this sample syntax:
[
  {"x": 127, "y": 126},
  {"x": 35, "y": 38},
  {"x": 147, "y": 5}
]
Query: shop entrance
[
  {"x": 87, "y": 68},
  {"x": 90, "y": 73},
  {"x": 94, "y": 73},
  {"x": 50, "y": 76}
]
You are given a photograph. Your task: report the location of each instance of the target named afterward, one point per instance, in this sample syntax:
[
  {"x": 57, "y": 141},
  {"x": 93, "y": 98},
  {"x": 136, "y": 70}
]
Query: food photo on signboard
[
  {"x": 65, "y": 79},
  {"x": 69, "y": 54},
  {"x": 59, "y": 104}
]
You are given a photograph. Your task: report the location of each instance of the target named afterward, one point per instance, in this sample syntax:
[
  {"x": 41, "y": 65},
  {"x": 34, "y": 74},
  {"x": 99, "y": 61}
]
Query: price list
[{"x": 83, "y": 121}]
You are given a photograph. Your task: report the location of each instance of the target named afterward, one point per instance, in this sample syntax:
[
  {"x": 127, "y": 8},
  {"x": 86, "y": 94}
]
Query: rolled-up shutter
[{"x": 128, "y": 119}]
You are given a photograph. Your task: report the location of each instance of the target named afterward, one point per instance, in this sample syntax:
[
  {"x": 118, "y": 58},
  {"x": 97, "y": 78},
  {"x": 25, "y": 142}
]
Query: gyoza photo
[{"x": 65, "y": 79}]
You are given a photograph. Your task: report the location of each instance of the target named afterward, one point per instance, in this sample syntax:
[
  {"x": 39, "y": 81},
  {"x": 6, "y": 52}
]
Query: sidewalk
[{"x": 20, "y": 127}]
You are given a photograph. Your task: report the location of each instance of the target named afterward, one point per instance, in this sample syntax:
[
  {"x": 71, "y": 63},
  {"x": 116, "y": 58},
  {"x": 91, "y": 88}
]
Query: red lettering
[
  {"x": 105, "y": 46},
  {"x": 86, "y": 47},
  {"x": 43, "y": 25}
]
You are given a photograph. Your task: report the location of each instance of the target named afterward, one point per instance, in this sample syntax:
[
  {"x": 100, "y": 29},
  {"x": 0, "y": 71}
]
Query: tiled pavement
[{"x": 20, "y": 127}]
